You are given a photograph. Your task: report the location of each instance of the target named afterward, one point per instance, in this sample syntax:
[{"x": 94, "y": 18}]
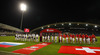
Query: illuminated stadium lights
[
  {"x": 69, "y": 23},
  {"x": 55, "y": 24},
  {"x": 95, "y": 26},
  {"x": 77, "y": 23},
  {"x": 48, "y": 26},
  {"x": 86, "y": 24},
  {"x": 42, "y": 28},
  {"x": 23, "y": 6},
  {"x": 62, "y": 24}
]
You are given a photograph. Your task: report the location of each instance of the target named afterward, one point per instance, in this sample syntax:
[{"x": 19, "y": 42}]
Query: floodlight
[
  {"x": 48, "y": 26},
  {"x": 86, "y": 24},
  {"x": 23, "y": 6},
  {"x": 42, "y": 28},
  {"x": 69, "y": 23},
  {"x": 77, "y": 23},
  {"x": 62, "y": 24},
  {"x": 95, "y": 26},
  {"x": 55, "y": 24}
]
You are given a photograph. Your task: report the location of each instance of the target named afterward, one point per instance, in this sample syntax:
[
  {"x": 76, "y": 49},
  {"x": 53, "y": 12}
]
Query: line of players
[
  {"x": 27, "y": 37},
  {"x": 79, "y": 38},
  {"x": 70, "y": 38}
]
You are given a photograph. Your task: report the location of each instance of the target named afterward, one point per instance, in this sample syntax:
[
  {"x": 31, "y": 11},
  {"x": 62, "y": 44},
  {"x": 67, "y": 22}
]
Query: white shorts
[
  {"x": 63, "y": 38},
  {"x": 88, "y": 39},
  {"x": 76, "y": 38},
  {"x": 70, "y": 38},
  {"x": 66, "y": 37},
  {"x": 93, "y": 39},
  {"x": 73, "y": 39},
  {"x": 80, "y": 39},
  {"x": 83, "y": 39}
]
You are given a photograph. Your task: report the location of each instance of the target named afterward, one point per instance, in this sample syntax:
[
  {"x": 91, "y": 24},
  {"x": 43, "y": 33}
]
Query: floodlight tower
[{"x": 23, "y": 9}]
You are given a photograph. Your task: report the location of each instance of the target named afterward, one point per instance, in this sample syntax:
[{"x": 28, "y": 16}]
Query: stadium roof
[
  {"x": 70, "y": 26},
  {"x": 8, "y": 27}
]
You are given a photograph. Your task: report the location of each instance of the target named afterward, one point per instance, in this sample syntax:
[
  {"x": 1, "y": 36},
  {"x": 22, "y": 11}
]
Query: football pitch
[{"x": 51, "y": 49}]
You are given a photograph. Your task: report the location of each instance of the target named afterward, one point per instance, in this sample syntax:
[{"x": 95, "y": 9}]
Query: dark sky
[{"x": 42, "y": 12}]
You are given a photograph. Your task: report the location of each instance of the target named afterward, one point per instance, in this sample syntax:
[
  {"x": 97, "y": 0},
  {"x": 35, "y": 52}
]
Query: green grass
[{"x": 51, "y": 49}]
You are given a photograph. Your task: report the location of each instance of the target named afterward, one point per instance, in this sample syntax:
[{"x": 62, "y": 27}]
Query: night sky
[{"x": 42, "y": 12}]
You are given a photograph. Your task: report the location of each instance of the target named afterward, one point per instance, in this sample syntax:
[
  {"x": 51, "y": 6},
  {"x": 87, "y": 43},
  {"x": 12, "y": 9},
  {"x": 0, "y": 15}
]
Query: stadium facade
[{"x": 71, "y": 27}]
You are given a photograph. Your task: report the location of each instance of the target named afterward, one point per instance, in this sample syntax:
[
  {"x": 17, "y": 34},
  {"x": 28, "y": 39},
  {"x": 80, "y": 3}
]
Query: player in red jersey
[
  {"x": 93, "y": 38},
  {"x": 80, "y": 38},
  {"x": 73, "y": 37},
  {"x": 90, "y": 39},
  {"x": 77, "y": 38},
  {"x": 83, "y": 37},
  {"x": 86, "y": 38},
  {"x": 70, "y": 38},
  {"x": 67, "y": 38}
]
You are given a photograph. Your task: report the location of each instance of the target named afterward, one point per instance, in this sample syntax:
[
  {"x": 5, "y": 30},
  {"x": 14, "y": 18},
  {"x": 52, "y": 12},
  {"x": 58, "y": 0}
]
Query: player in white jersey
[
  {"x": 22, "y": 37},
  {"x": 19, "y": 37},
  {"x": 25, "y": 37},
  {"x": 64, "y": 36},
  {"x": 49, "y": 38},
  {"x": 37, "y": 36},
  {"x": 60, "y": 38},
  {"x": 43, "y": 38},
  {"x": 16, "y": 37},
  {"x": 29, "y": 37},
  {"x": 52, "y": 38},
  {"x": 33, "y": 37},
  {"x": 55, "y": 38}
]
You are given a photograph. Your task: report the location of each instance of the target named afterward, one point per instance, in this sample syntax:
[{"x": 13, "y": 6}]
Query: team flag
[
  {"x": 9, "y": 44},
  {"x": 31, "y": 49},
  {"x": 80, "y": 50}
]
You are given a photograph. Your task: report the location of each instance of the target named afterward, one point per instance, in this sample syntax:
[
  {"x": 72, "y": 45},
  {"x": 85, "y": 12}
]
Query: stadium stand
[
  {"x": 72, "y": 27},
  {"x": 6, "y": 30}
]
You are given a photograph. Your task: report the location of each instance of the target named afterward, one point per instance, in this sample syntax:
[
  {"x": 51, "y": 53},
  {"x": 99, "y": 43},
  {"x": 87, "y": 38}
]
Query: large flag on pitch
[
  {"x": 9, "y": 44},
  {"x": 31, "y": 49},
  {"x": 80, "y": 50}
]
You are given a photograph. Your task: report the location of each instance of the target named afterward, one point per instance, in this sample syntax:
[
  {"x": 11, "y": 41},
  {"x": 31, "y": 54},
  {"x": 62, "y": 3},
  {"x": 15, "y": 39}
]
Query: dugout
[{"x": 49, "y": 30}]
